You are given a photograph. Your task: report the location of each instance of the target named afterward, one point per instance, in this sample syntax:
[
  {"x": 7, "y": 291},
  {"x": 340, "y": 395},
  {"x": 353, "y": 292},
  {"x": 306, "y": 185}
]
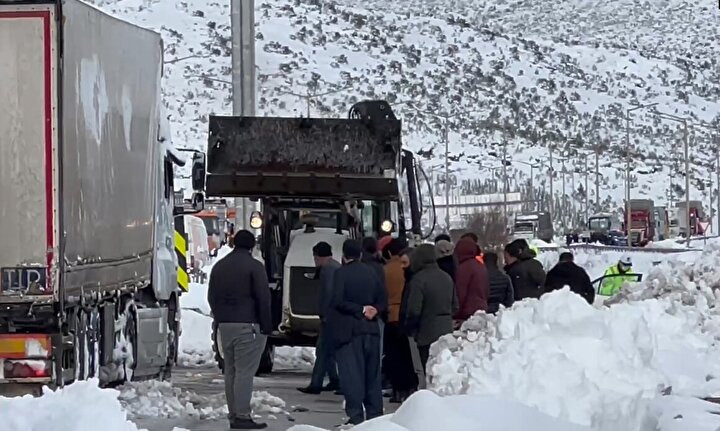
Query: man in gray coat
[
  {"x": 431, "y": 301},
  {"x": 324, "y": 350},
  {"x": 239, "y": 298}
]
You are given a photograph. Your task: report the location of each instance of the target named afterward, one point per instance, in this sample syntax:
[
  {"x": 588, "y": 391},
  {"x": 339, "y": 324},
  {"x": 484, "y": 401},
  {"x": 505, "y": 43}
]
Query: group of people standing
[{"x": 381, "y": 309}]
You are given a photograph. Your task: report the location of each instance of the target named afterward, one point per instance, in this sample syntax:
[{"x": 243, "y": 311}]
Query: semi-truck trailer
[{"x": 89, "y": 275}]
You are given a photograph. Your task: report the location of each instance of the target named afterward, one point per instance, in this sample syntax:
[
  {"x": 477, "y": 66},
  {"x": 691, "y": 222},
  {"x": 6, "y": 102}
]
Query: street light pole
[
  {"x": 447, "y": 175},
  {"x": 597, "y": 180},
  {"x": 587, "y": 194},
  {"x": 505, "y": 179},
  {"x": 552, "y": 197},
  {"x": 564, "y": 197},
  {"x": 628, "y": 218},
  {"x": 687, "y": 180},
  {"x": 687, "y": 169}
]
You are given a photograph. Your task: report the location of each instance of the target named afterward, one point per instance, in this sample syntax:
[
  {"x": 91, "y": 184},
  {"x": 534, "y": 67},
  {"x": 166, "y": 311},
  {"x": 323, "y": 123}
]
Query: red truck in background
[
  {"x": 696, "y": 215},
  {"x": 642, "y": 222}
]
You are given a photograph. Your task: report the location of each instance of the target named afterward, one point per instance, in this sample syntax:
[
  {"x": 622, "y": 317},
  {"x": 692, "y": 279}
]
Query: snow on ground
[
  {"x": 295, "y": 358},
  {"x": 80, "y": 406},
  {"x": 196, "y": 339},
  {"x": 426, "y": 411},
  {"x": 160, "y": 399},
  {"x": 596, "y": 261},
  {"x": 606, "y": 367}
]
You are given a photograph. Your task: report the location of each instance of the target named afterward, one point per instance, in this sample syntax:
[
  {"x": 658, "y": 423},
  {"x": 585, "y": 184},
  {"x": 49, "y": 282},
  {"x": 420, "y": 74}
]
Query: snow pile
[
  {"x": 597, "y": 261},
  {"x": 196, "y": 346},
  {"x": 426, "y": 411},
  {"x": 161, "y": 399},
  {"x": 589, "y": 366},
  {"x": 80, "y": 406},
  {"x": 294, "y": 358},
  {"x": 694, "y": 283}
]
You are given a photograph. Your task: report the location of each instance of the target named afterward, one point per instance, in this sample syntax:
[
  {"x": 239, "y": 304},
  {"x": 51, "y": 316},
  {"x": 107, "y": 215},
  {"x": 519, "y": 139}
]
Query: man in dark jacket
[
  {"x": 239, "y": 298},
  {"x": 501, "y": 288},
  {"x": 359, "y": 298},
  {"x": 471, "y": 281},
  {"x": 431, "y": 301},
  {"x": 324, "y": 352},
  {"x": 567, "y": 273},
  {"x": 525, "y": 272}
]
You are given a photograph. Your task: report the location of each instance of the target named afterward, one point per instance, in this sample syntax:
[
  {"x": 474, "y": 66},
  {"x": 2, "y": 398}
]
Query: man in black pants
[
  {"x": 324, "y": 351},
  {"x": 358, "y": 299}
]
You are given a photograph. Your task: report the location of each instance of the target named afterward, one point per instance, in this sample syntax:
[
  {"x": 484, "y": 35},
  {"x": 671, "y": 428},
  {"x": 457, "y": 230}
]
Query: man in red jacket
[{"x": 472, "y": 283}]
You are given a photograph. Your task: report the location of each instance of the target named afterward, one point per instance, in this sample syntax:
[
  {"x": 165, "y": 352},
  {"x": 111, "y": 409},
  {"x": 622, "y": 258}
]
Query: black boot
[{"x": 246, "y": 424}]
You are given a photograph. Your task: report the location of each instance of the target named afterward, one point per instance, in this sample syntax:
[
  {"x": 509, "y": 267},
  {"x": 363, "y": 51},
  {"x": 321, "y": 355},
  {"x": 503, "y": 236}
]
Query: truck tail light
[
  {"x": 25, "y": 346},
  {"x": 26, "y": 369}
]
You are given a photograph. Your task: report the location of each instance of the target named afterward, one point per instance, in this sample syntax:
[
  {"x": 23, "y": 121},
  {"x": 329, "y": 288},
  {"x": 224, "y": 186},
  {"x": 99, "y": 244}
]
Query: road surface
[{"x": 324, "y": 411}]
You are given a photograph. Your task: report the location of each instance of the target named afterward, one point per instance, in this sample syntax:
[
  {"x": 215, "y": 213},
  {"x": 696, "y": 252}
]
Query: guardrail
[{"x": 625, "y": 249}]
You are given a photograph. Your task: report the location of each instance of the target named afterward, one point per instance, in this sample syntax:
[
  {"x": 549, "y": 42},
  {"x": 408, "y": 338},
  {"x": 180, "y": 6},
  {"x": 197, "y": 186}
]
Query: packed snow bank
[
  {"x": 195, "y": 339},
  {"x": 294, "y": 358},
  {"x": 153, "y": 399},
  {"x": 589, "y": 366},
  {"x": 426, "y": 411},
  {"x": 597, "y": 261},
  {"x": 80, "y": 406}
]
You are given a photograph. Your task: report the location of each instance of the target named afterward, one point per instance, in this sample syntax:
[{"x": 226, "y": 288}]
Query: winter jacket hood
[
  {"x": 465, "y": 250},
  {"x": 423, "y": 258},
  {"x": 471, "y": 281}
]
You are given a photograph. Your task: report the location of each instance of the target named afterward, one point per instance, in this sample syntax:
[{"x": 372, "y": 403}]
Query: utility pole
[
  {"x": 505, "y": 178},
  {"x": 446, "y": 117},
  {"x": 717, "y": 181},
  {"x": 447, "y": 175},
  {"x": 686, "y": 146},
  {"x": 587, "y": 194},
  {"x": 597, "y": 180},
  {"x": 242, "y": 17},
  {"x": 564, "y": 197},
  {"x": 687, "y": 180},
  {"x": 552, "y": 197},
  {"x": 628, "y": 219}
]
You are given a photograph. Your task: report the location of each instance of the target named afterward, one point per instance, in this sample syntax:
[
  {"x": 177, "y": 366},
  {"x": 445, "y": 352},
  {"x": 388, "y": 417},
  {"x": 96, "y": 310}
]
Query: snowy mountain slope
[{"x": 535, "y": 74}]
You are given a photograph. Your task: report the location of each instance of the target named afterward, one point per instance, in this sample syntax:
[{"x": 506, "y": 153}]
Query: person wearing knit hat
[
  {"x": 325, "y": 363},
  {"x": 526, "y": 273},
  {"x": 445, "y": 258}
]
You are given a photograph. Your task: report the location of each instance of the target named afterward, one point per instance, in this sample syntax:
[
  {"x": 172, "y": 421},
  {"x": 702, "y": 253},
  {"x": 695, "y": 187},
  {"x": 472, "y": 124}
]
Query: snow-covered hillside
[{"x": 537, "y": 75}]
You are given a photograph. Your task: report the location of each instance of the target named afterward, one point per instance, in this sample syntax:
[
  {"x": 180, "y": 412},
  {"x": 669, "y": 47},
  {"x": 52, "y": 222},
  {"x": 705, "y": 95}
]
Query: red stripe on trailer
[{"x": 47, "y": 54}]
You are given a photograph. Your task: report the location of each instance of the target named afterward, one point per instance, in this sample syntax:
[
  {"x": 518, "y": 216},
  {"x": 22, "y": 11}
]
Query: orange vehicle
[{"x": 217, "y": 216}]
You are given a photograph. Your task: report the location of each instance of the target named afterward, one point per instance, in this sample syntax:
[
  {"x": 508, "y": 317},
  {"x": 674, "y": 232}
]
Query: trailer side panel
[{"x": 111, "y": 90}]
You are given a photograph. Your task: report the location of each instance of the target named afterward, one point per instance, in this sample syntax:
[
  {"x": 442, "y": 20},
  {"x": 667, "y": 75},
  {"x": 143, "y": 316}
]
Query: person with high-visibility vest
[{"x": 615, "y": 276}]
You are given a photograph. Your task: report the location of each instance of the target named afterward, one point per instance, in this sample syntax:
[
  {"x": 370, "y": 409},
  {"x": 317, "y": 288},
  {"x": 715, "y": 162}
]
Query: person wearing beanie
[
  {"x": 239, "y": 298},
  {"x": 445, "y": 257},
  {"x": 324, "y": 353},
  {"x": 526, "y": 273},
  {"x": 358, "y": 300},
  {"x": 443, "y": 237}
]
